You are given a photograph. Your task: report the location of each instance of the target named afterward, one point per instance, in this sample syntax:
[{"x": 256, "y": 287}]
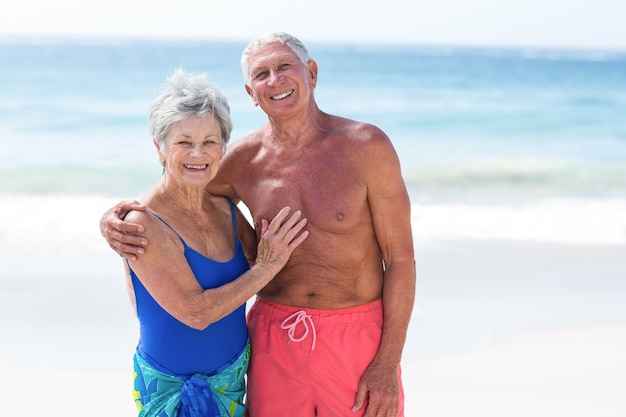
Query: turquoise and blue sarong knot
[
  {"x": 160, "y": 394},
  {"x": 197, "y": 399}
]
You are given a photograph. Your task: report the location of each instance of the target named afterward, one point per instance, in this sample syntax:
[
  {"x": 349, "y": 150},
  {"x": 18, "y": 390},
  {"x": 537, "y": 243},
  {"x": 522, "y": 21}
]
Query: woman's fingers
[
  {"x": 282, "y": 225},
  {"x": 295, "y": 231},
  {"x": 277, "y": 221},
  {"x": 282, "y": 235}
]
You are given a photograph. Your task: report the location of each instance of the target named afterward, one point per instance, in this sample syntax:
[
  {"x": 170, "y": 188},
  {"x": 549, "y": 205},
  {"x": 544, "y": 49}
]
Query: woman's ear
[{"x": 158, "y": 148}]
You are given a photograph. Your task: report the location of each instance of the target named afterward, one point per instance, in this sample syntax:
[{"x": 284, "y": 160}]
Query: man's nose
[{"x": 275, "y": 77}]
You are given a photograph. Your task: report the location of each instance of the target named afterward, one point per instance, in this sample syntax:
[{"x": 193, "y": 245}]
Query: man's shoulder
[
  {"x": 361, "y": 141},
  {"x": 245, "y": 143},
  {"x": 360, "y": 133},
  {"x": 355, "y": 128}
]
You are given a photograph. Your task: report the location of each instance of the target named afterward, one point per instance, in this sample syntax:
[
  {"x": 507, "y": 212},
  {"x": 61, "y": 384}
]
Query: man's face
[{"x": 278, "y": 79}]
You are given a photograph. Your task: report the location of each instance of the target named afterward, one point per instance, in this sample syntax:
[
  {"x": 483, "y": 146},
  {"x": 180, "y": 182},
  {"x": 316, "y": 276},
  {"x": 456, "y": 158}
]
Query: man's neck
[{"x": 297, "y": 130}]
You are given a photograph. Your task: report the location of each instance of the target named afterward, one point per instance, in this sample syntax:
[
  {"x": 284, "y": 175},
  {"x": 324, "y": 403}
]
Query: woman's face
[{"x": 192, "y": 150}]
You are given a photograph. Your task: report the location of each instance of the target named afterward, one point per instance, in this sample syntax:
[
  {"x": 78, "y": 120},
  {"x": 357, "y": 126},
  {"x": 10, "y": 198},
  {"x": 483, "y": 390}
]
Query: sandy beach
[
  {"x": 575, "y": 372},
  {"x": 553, "y": 331},
  {"x": 500, "y": 328},
  {"x": 569, "y": 372}
]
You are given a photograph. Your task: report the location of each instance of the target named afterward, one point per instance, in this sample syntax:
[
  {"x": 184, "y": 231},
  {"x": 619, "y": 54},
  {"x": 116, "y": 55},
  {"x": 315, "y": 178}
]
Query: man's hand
[
  {"x": 380, "y": 387},
  {"x": 123, "y": 237}
]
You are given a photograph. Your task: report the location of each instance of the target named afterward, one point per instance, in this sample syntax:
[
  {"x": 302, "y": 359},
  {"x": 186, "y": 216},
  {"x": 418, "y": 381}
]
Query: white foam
[
  {"x": 558, "y": 220},
  {"x": 35, "y": 224}
]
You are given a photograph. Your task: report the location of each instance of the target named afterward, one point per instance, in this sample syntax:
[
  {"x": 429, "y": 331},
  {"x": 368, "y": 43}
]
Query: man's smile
[{"x": 282, "y": 95}]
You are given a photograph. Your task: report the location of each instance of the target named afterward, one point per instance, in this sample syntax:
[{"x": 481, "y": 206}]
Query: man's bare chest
[{"x": 330, "y": 201}]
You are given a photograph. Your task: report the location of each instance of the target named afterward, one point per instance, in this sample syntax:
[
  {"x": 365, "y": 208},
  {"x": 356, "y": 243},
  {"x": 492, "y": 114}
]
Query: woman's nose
[{"x": 196, "y": 149}]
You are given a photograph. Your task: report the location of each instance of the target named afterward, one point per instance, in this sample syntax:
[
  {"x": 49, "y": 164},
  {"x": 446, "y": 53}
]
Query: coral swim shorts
[{"x": 308, "y": 362}]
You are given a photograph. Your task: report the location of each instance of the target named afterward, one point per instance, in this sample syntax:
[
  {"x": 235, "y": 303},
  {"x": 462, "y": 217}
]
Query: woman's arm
[{"x": 165, "y": 273}]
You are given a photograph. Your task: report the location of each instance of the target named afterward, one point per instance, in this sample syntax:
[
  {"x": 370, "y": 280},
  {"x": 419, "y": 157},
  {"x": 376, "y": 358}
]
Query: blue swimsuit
[{"x": 175, "y": 348}]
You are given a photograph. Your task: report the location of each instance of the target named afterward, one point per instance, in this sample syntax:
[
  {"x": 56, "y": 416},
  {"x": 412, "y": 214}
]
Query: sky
[{"x": 589, "y": 24}]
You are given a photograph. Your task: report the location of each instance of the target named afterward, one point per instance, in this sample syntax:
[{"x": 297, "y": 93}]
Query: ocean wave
[
  {"x": 519, "y": 176},
  {"x": 572, "y": 221},
  {"x": 72, "y": 221},
  {"x": 463, "y": 181},
  {"x": 122, "y": 181}
]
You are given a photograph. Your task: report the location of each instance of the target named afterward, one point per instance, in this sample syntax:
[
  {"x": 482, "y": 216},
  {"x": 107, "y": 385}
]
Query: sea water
[
  {"x": 471, "y": 126},
  {"x": 464, "y": 121},
  {"x": 525, "y": 145}
]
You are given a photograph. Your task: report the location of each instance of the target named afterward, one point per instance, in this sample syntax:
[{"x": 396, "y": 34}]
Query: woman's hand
[{"x": 280, "y": 237}]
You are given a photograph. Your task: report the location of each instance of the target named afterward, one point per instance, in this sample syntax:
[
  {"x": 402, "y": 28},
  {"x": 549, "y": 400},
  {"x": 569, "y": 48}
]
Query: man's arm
[
  {"x": 126, "y": 239},
  {"x": 391, "y": 214},
  {"x": 123, "y": 237}
]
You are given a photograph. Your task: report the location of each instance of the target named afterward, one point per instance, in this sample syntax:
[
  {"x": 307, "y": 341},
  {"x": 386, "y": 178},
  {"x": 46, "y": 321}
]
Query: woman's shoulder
[{"x": 154, "y": 218}]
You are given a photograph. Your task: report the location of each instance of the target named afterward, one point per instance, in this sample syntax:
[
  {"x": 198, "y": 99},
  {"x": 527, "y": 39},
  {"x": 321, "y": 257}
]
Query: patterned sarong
[{"x": 158, "y": 394}]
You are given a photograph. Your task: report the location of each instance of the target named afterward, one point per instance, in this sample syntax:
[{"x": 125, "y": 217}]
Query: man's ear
[
  {"x": 251, "y": 94},
  {"x": 312, "y": 66}
]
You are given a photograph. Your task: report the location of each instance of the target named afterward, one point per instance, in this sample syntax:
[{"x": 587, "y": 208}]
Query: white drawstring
[{"x": 299, "y": 317}]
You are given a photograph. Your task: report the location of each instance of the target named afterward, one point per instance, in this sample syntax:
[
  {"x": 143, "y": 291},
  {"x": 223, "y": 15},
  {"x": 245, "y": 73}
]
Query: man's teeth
[
  {"x": 196, "y": 166},
  {"x": 283, "y": 95}
]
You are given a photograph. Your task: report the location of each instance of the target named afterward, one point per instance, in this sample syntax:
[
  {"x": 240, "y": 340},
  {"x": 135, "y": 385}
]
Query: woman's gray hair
[
  {"x": 186, "y": 95},
  {"x": 286, "y": 39}
]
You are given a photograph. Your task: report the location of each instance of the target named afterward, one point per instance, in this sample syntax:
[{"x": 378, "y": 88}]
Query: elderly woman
[{"x": 190, "y": 287}]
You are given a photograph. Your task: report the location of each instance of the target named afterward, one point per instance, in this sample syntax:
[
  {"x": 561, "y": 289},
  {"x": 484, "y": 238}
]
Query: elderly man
[{"x": 327, "y": 333}]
